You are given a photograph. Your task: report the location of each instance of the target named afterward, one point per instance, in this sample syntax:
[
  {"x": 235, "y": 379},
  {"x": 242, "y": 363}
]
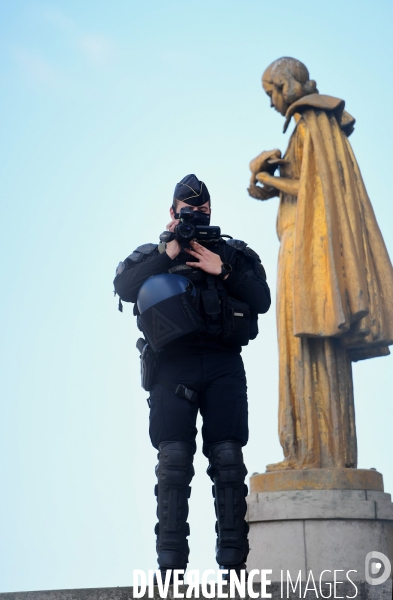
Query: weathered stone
[
  {"x": 384, "y": 510},
  {"x": 288, "y": 509},
  {"x": 312, "y": 504},
  {"x": 379, "y": 496},
  {"x": 317, "y": 479},
  {"x": 318, "y": 530},
  {"x": 342, "y": 544},
  {"x": 332, "y": 495},
  {"x": 276, "y": 546}
]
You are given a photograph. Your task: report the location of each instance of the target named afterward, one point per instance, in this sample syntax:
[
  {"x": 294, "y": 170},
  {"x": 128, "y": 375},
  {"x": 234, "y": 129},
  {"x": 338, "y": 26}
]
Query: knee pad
[
  {"x": 226, "y": 463},
  {"x": 175, "y": 464}
]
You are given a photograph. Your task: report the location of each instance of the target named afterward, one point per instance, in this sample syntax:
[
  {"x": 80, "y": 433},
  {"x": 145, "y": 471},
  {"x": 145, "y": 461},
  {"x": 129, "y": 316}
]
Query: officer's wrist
[
  {"x": 165, "y": 260},
  {"x": 172, "y": 250},
  {"x": 226, "y": 270}
]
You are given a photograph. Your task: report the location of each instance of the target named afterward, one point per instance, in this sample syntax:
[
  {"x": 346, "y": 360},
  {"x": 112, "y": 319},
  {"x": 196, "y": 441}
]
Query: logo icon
[
  {"x": 377, "y": 568},
  {"x": 163, "y": 328}
]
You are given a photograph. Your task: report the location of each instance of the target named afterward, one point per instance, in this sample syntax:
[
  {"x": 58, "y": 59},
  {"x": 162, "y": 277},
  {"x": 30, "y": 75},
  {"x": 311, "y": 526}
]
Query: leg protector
[
  {"x": 227, "y": 471},
  {"x": 174, "y": 473}
]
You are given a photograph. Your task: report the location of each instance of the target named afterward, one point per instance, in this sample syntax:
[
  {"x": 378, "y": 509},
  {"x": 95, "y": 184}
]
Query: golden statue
[{"x": 335, "y": 278}]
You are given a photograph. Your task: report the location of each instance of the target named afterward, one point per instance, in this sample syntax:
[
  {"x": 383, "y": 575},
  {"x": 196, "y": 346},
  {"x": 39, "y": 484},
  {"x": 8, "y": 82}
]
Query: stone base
[
  {"x": 317, "y": 479},
  {"x": 317, "y": 530},
  {"x": 364, "y": 592}
]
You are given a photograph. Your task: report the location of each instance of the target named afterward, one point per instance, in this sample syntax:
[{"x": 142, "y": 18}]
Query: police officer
[{"x": 201, "y": 370}]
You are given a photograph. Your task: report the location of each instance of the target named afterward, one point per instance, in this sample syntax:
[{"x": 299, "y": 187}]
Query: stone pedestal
[
  {"x": 317, "y": 479},
  {"x": 318, "y": 520}
]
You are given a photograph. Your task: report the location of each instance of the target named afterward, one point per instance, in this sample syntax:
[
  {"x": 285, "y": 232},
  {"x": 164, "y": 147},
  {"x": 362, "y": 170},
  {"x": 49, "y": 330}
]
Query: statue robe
[{"x": 335, "y": 288}]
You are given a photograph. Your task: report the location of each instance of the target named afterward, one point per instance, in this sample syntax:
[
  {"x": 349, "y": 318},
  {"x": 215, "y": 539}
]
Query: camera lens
[{"x": 185, "y": 231}]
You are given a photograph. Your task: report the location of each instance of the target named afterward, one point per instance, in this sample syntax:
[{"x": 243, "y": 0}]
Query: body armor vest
[{"x": 209, "y": 310}]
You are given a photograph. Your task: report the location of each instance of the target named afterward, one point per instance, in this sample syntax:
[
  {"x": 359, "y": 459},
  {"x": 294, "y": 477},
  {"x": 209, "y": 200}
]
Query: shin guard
[
  {"x": 174, "y": 473},
  {"x": 227, "y": 471}
]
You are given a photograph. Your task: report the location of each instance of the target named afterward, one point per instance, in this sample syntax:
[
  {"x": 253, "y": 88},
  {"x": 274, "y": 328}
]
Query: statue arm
[{"x": 288, "y": 186}]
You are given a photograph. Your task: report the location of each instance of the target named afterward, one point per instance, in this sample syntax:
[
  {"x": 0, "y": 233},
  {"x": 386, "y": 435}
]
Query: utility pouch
[
  {"x": 211, "y": 302},
  {"x": 149, "y": 363},
  {"x": 236, "y": 320},
  {"x": 212, "y": 305}
]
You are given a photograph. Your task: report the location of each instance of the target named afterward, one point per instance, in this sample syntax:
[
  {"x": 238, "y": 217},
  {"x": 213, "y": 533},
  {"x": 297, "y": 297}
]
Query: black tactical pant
[{"x": 220, "y": 382}]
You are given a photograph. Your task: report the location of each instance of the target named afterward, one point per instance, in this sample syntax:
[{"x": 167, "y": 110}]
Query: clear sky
[{"x": 104, "y": 107}]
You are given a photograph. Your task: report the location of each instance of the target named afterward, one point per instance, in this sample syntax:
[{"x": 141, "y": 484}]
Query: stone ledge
[
  {"x": 284, "y": 510},
  {"x": 318, "y": 495},
  {"x": 384, "y": 511},
  {"x": 317, "y": 504},
  {"x": 365, "y": 592},
  {"x": 380, "y": 496}
]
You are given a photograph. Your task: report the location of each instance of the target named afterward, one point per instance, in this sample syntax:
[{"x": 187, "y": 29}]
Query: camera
[{"x": 190, "y": 228}]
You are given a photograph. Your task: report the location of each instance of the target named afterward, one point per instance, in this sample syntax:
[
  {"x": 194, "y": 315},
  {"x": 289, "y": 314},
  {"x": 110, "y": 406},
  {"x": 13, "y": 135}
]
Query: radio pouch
[
  {"x": 236, "y": 321},
  {"x": 211, "y": 302}
]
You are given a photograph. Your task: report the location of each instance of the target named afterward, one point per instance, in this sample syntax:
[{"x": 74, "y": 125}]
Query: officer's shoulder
[
  {"x": 136, "y": 256},
  {"x": 238, "y": 244},
  {"x": 241, "y": 245},
  {"x": 141, "y": 251}
]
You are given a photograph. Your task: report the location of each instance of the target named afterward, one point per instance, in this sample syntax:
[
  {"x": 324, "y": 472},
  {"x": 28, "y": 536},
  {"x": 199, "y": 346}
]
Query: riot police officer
[{"x": 199, "y": 368}]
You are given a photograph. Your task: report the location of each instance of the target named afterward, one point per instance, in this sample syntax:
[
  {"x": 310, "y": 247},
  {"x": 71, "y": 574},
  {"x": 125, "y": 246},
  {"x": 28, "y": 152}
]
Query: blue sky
[{"x": 105, "y": 106}]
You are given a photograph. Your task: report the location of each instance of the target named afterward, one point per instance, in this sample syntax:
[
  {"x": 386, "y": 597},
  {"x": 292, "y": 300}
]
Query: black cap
[{"x": 191, "y": 191}]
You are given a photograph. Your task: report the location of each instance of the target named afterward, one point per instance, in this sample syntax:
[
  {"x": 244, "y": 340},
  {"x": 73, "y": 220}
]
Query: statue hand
[
  {"x": 260, "y": 163},
  {"x": 262, "y": 193},
  {"x": 265, "y": 178}
]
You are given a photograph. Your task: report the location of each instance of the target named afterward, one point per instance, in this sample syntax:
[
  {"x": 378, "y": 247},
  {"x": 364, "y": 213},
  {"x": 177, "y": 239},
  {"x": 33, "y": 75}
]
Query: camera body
[{"x": 190, "y": 228}]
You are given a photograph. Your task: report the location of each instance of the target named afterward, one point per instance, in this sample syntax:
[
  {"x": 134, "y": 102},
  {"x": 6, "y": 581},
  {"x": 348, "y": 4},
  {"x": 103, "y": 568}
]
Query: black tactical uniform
[{"x": 200, "y": 371}]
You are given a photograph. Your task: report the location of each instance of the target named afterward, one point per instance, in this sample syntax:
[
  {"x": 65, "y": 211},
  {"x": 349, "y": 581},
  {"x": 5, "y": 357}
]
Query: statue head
[{"x": 285, "y": 81}]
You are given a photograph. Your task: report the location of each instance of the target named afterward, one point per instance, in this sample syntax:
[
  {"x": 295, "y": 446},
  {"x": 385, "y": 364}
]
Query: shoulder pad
[
  {"x": 252, "y": 253},
  {"x": 120, "y": 267},
  {"x": 238, "y": 244},
  {"x": 138, "y": 254}
]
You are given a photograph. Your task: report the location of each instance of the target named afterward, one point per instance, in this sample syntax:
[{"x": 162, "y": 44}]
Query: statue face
[{"x": 275, "y": 93}]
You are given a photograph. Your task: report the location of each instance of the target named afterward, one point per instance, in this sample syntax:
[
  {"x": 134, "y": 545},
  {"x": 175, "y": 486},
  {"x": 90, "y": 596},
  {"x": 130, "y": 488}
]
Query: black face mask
[{"x": 198, "y": 218}]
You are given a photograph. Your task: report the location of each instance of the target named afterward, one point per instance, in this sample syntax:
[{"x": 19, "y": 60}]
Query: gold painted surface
[
  {"x": 317, "y": 479},
  {"x": 335, "y": 278}
]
